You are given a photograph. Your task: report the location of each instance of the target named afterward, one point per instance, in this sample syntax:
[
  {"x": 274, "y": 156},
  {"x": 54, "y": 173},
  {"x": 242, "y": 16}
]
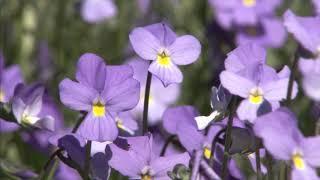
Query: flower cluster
[{"x": 130, "y": 120}]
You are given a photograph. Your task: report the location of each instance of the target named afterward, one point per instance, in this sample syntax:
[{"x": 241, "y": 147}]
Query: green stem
[
  {"x": 258, "y": 165},
  {"x": 146, "y": 104},
  {"x": 269, "y": 165},
  {"x": 227, "y": 144},
  {"x": 87, "y": 160},
  {"x": 53, "y": 169},
  {"x": 165, "y": 146},
  {"x": 291, "y": 78}
]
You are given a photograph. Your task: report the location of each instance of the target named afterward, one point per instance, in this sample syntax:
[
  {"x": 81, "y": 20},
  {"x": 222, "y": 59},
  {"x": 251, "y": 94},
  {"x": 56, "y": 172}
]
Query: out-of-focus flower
[
  {"x": 139, "y": 161},
  {"x": 316, "y": 3},
  {"x": 243, "y": 12},
  {"x": 160, "y": 97},
  {"x": 96, "y": 11},
  {"x": 253, "y": 21},
  {"x": 45, "y": 63},
  {"x": 269, "y": 32},
  {"x": 158, "y": 43},
  {"x": 248, "y": 76},
  {"x": 290, "y": 145},
  {"x": 220, "y": 99},
  {"x": 10, "y": 77},
  {"x": 305, "y": 30},
  {"x": 27, "y": 105},
  {"x": 102, "y": 91},
  {"x": 143, "y": 5}
]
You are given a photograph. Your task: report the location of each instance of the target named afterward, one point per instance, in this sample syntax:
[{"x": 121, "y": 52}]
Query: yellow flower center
[
  {"x": 146, "y": 177},
  {"x": 298, "y": 161},
  {"x": 163, "y": 59},
  {"x": 207, "y": 153},
  {"x": 98, "y": 109},
  {"x": 256, "y": 96},
  {"x": 249, "y": 3},
  {"x": 1, "y": 96}
]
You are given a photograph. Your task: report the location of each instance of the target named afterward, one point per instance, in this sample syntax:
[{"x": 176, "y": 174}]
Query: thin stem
[
  {"x": 291, "y": 79},
  {"x": 196, "y": 164},
  {"x": 213, "y": 145},
  {"x": 166, "y": 144},
  {"x": 76, "y": 127},
  {"x": 146, "y": 104},
  {"x": 269, "y": 165},
  {"x": 258, "y": 165},
  {"x": 87, "y": 160},
  {"x": 283, "y": 171},
  {"x": 227, "y": 144},
  {"x": 53, "y": 169}
]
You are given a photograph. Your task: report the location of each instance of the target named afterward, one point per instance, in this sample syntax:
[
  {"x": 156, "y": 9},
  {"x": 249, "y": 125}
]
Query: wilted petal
[
  {"x": 76, "y": 96},
  {"x": 167, "y": 75},
  {"x": 162, "y": 165},
  {"x": 236, "y": 84},
  {"x": 145, "y": 44},
  {"x": 91, "y": 71},
  {"x": 98, "y": 128},
  {"x": 185, "y": 50},
  {"x": 279, "y": 133}
]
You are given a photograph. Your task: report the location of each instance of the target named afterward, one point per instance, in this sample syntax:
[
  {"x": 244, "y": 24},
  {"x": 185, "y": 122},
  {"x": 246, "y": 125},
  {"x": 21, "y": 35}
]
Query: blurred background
[{"x": 46, "y": 38}]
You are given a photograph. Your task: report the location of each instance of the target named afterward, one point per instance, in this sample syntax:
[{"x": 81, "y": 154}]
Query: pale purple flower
[
  {"x": 269, "y": 32},
  {"x": 284, "y": 141},
  {"x": 242, "y": 12},
  {"x": 158, "y": 43},
  {"x": 27, "y": 105},
  {"x": 305, "y": 30},
  {"x": 310, "y": 70},
  {"x": 260, "y": 85},
  {"x": 316, "y": 4},
  {"x": 140, "y": 162},
  {"x": 160, "y": 97},
  {"x": 96, "y": 11},
  {"x": 101, "y": 91}
]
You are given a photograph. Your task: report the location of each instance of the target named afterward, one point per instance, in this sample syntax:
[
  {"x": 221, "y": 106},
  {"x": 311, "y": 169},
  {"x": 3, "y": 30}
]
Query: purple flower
[
  {"x": 139, "y": 161},
  {"x": 242, "y": 12},
  {"x": 74, "y": 146},
  {"x": 316, "y": 3},
  {"x": 160, "y": 97},
  {"x": 305, "y": 30},
  {"x": 27, "y": 105},
  {"x": 283, "y": 140},
  {"x": 10, "y": 77},
  {"x": 96, "y": 11},
  {"x": 269, "y": 32},
  {"x": 126, "y": 122},
  {"x": 101, "y": 91},
  {"x": 310, "y": 70},
  {"x": 158, "y": 43},
  {"x": 260, "y": 85}
]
